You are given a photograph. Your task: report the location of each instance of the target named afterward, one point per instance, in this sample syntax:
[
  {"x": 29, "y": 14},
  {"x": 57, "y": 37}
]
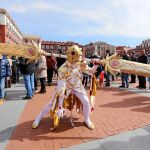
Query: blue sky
[{"x": 118, "y": 22}]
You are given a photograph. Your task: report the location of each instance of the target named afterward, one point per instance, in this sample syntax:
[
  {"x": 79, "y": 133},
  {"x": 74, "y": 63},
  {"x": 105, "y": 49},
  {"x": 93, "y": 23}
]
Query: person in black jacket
[
  {"x": 60, "y": 61},
  {"x": 124, "y": 76},
  {"x": 142, "y": 59},
  {"x": 28, "y": 71},
  {"x": 133, "y": 76}
]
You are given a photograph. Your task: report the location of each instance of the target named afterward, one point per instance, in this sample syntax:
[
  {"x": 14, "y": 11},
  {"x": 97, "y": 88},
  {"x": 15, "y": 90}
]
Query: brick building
[
  {"x": 146, "y": 45},
  {"x": 27, "y": 39},
  {"x": 98, "y": 48},
  {"x": 127, "y": 49},
  {"x": 57, "y": 47},
  {"x": 9, "y": 31},
  {"x": 119, "y": 48}
]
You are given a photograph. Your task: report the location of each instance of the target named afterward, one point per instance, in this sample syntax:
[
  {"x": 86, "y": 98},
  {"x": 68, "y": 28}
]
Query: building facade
[
  {"x": 98, "y": 48},
  {"x": 9, "y": 31},
  {"x": 127, "y": 49},
  {"x": 146, "y": 45},
  {"x": 89, "y": 50},
  {"x": 27, "y": 39},
  {"x": 57, "y": 47},
  {"x": 119, "y": 48}
]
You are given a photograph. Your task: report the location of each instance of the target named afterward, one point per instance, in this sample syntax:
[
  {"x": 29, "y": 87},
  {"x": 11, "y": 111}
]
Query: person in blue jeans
[
  {"x": 28, "y": 70},
  {"x": 4, "y": 73},
  {"x": 29, "y": 85},
  {"x": 124, "y": 76}
]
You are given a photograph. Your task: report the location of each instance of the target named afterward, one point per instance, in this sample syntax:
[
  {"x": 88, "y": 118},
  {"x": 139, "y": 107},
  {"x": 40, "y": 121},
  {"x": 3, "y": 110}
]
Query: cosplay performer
[{"x": 69, "y": 90}]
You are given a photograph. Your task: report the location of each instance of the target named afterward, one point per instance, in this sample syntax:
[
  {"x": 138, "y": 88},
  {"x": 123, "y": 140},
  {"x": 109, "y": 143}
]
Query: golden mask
[{"x": 73, "y": 54}]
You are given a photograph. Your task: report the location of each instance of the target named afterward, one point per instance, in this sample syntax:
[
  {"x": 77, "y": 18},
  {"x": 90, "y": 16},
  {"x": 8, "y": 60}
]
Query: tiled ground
[{"x": 116, "y": 111}]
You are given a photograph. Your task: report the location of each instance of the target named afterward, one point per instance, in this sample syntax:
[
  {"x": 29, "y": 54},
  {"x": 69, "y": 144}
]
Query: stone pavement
[
  {"x": 118, "y": 112},
  {"x": 10, "y": 112},
  {"x": 138, "y": 139}
]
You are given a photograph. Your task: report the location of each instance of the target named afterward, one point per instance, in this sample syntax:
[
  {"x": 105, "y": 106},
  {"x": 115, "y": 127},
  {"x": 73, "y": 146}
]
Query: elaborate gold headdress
[{"x": 73, "y": 54}]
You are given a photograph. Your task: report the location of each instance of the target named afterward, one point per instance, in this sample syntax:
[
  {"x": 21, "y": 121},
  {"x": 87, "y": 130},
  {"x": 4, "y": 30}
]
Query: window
[
  {"x": 59, "y": 47},
  {"x": 26, "y": 41},
  {"x": 51, "y": 46},
  {"x": 47, "y": 47},
  {"x": 43, "y": 46},
  {"x": 10, "y": 36},
  {"x": 7, "y": 33},
  {"x": 54, "y": 46},
  {"x": 7, "y": 24},
  {"x": 10, "y": 28}
]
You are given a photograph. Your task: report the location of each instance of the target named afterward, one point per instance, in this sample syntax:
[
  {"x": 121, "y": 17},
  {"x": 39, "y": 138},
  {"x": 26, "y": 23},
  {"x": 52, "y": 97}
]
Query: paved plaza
[
  {"x": 121, "y": 119},
  {"x": 68, "y": 39}
]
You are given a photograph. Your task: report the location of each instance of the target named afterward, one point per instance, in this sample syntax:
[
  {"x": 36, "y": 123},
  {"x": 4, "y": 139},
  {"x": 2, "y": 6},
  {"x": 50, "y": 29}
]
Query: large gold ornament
[
  {"x": 116, "y": 64},
  {"x": 73, "y": 54},
  {"x": 31, "y": 52}
]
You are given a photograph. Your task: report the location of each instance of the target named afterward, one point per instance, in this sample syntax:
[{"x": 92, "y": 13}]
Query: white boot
[
  {"x": 147, "y": 91},
  {"x": 89, "y": 124},
  {"x": 37, "y": 121}
]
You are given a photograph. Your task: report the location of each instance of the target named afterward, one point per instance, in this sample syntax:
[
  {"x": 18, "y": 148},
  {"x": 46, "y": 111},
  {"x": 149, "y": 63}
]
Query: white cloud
[
  {"x": 18, "y": 8},
  {"x": 104, "y": 17}
]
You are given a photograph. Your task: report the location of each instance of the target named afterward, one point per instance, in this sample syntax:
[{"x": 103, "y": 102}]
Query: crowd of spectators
[{"x": 44, "y": 69}]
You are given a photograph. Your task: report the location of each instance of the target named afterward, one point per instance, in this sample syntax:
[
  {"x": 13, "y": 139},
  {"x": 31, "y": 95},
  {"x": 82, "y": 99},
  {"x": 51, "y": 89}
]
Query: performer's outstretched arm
[{"x": 88, "y": 70}]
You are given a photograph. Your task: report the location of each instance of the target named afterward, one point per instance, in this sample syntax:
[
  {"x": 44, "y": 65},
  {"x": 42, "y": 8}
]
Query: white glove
[{"x": 60, "y": 112}]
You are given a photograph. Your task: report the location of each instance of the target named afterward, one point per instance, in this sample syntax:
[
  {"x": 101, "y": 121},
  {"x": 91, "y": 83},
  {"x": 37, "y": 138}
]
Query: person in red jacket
[{"x": 51, "y": 64}]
